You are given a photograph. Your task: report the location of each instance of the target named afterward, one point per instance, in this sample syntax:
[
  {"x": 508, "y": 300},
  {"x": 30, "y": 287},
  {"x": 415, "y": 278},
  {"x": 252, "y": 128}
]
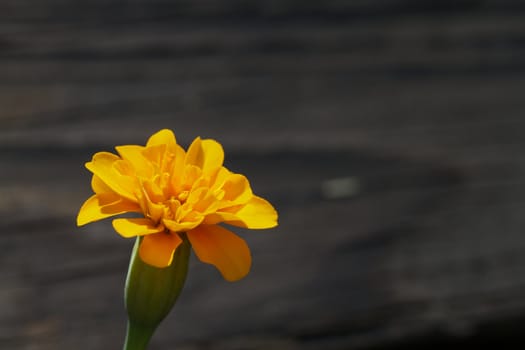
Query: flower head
[{"x": 179, "y": 194}]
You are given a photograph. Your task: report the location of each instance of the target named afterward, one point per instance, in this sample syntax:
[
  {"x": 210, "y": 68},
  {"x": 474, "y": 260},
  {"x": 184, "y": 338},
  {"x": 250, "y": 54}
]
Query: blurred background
[{"x": 388, "y": 133}]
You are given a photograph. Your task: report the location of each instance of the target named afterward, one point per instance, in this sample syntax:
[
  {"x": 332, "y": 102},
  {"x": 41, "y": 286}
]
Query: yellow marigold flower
[{"x": 179, "y": 193}]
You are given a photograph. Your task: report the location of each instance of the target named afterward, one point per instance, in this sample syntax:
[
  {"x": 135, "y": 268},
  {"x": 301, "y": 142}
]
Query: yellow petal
[
  {"x": 220, "y": 176},
  {"x": 258, "y": 213},
  {"x": 163, "y": 137},
  {"x": 237, "y": 189},
  {"x": 99, "y": 187},
  {"x": 135, "y": 227},
  {"x": 155, "y": 154},
  {"x": 99, "y": 207},
  {"x": 152, "y": 191},
  {"x": 177, "y": 167},
  {"x": 203, "y": 200},
  {"x": 102, "y": 167},
  {"x": 213, "y": 155},
  {"x": 206, "y": 154},
  {"x": 149, "y": 205},
  {"x": 191, "y": 174},
  {"x": 222, "y": 248},
  {"x": 175, "y": 226},
  {"x": 218, "y": 217},
  {"x": 157, "y": 249},
  {"x": 133, "y": 154}
]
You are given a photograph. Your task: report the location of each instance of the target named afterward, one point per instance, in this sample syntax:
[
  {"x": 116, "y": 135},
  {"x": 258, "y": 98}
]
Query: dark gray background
[{"x": 418, "y": 104}]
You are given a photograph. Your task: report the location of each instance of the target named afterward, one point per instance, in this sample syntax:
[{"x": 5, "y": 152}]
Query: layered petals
[
  {"x": 177, "y": 192},
  {"x": 163, "y": 137},
  {"x": 222, "y": 248},
  {"x": 99, "y": 187},
  {"x": 184, "y": 226},
  {"x": 205, "y": 154},
  {"x": 157, "y": 249},
  {"x": 237, "y": 189},
  {"x": 135, "y": 227},
  {"x": 258, "y": 213},
  {"x": 134, "y": 155},
  {"x": 99, "y": 207},
  {"x": 104, "y": 167}
]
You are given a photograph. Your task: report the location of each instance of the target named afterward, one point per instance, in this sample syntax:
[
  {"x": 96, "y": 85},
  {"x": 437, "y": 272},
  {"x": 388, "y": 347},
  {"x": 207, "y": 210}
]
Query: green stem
[
  {"x": 151, "y": 292},
  {"x": 137, "y": 337}
]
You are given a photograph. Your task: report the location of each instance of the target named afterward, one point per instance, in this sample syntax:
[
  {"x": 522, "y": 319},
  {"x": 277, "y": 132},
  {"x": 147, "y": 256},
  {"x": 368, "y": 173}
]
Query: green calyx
[{"x": 151, "y": 292}]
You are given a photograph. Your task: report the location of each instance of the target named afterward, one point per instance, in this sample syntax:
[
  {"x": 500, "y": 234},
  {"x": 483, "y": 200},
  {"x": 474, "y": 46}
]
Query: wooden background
[{"x": 419, "y": 105}]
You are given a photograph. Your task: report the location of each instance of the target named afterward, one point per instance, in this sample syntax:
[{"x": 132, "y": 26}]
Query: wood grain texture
[{"x": 419, "y": 104}]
